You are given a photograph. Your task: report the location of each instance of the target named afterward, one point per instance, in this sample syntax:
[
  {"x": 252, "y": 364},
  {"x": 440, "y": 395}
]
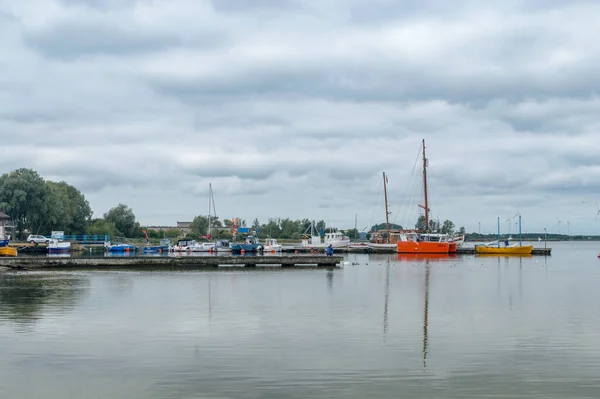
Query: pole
[
  {"x": 520, "y": 235},
  {"x": 355, "y": 226},
  {"x": 545, "y": 233},
  {"x": 387, "y": 214},
  {"x": 479, "y": 231},
  {"x": 498, "y": 232}
]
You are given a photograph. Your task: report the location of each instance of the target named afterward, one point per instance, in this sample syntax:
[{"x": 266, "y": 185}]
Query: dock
[
  {"x": 162, "y": 262},
  {"x": 366, "y": 250}
]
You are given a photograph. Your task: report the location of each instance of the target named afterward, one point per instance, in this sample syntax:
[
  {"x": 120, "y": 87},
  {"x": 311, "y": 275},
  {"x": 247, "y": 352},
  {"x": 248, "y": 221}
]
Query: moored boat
[
  {"x": 510, "y": 250},
  {"x": 7, "y": 250},
  {"x": 57, "y": 246},
  {"x": 494, "y": 248},
  {"x": 271, "y": 245},
  {"x": 119, "y": 247},
  {"x": 250, "y": 244}
]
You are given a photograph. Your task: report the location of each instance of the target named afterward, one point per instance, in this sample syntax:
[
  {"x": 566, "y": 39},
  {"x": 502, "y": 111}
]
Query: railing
[{"x": 88, "y": 238}]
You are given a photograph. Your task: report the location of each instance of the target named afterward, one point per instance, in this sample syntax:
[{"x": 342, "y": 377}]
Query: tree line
[{"x": 40, "y": 206}]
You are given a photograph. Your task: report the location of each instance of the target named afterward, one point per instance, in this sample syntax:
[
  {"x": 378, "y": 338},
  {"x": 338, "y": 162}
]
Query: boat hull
[
  {"x": 383, "y": 246},
  {"x": 60, "y": 247},
  {"x": 424, "y": 247},
  {"x": 121, "y": 248},
  {"x": 8, "y": 251},
  {"x": 244, "y": 247},
  {"x": 520, "y": 250}
]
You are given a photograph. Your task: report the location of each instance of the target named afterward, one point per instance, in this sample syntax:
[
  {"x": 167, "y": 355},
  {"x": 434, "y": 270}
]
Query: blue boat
[
  {"x": 251, "y": 244},
  {"x": 3, "y": 243},
  {"x": 119, "y": 247},
  {"x": 157, "y": 249}
]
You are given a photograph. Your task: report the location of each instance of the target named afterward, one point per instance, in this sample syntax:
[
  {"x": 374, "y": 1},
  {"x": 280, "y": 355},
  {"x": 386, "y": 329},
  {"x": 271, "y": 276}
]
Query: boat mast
[
  {"x": 209, "y": 206},
  {"x": 387, "y": 214},
  {"x": 426, "y": 206},
  {"x": 498, "y": 231},
  {"x": 520, "y": 236}
]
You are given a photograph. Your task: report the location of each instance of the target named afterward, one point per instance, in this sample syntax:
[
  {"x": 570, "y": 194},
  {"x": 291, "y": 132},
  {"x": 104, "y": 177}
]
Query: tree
[
  {"x": 103, "y": 227},
  {"x": 462, "y": 231},
  {"x": 124, "y": 220},
  {"x": 256, "y": 224},
  {"x": 199, "y": 225},
  {"x": 227, "y": 223},
  {"x": 321, "y": 226},
  {"x": 448, "y": 227},
  {"x": 383, "y": 226},
  {"x": 23, "y": 196},
  {"x": 421, "y": 223}
]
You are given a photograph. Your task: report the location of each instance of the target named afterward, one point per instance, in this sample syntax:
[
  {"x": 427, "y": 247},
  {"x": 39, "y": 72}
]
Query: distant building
[
  {"x": 184, "y": 227},
  {"x": 6, "y": 223}
]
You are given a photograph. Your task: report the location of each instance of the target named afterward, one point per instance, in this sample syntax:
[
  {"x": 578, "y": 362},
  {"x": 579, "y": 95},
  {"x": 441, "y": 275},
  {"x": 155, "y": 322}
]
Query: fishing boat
[
  {"x": 494, "y": 247},
  {"x": 250, "y": 244},
  {"x": 424, "y": 242},
  {"x": 57, "y": 246},
  {"x": 271, "y": 245}
]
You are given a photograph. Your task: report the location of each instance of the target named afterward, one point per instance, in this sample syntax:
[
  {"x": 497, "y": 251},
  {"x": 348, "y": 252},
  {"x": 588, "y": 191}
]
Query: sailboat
[
  {"x": 424, "y": 242},
  {"x": 495, "y": 248},
  {"x": 218, "y": 245},
  {"x": 384, "y": 241}
]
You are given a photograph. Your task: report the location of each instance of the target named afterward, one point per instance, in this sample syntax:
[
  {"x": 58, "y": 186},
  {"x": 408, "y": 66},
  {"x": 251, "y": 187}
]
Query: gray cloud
[{"x": 295, "y": 108}]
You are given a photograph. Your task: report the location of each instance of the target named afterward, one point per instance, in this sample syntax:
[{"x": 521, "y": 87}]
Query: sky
[{"x": 294, "y": 108}]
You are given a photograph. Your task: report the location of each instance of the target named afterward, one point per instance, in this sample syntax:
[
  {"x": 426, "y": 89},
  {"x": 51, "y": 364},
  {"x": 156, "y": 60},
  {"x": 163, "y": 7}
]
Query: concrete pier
[{"x": 190, "y": 262}]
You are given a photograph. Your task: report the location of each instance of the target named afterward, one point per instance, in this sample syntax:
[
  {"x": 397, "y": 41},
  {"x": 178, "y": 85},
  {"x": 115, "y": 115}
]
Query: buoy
[
  {"x": 273, "y": 251},
  {"x": 242, "y": 251}
]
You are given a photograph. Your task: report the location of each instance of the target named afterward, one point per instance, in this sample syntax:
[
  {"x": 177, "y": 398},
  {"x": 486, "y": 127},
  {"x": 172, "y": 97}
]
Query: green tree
[
  {"x": 462, "y": 230},
  {"x": 448, "y": 227},
  {"x": 321, "y": 226},
  {"x": 102, "y": 227},
  {"x": 23, "y": 196},
  {"x": 227, "y": 223},
  {"x": 199, "y": 225},
  {"x": 421, "y": 223},
  {"x": 124, "y": 220}
]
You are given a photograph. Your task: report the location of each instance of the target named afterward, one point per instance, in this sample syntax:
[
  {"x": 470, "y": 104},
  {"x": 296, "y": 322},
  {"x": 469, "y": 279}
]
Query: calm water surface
[{"x": 381, "y": 327}]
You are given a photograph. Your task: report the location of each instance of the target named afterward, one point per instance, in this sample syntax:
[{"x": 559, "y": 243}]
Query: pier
[
  {"x": 184, "y": 262},
  {"x": 367, "y": 250}
]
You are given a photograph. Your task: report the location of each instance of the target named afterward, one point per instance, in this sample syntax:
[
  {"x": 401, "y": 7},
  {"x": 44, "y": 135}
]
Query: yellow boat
[
  {"x": 8, "y": 251},
  {"x": 515, "y": 250}
]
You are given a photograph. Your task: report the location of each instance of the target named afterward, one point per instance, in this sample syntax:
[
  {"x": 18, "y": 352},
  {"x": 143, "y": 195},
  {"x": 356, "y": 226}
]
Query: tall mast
[
  {"x": 387, "y": 214},
  {"x": 425, "y": 188},
  {"x": 209, "y": 205}
]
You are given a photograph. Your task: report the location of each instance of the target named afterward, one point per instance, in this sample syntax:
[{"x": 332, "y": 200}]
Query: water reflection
[
  {"x": 426, "y": 315},
  {"x": 24, "y": 297},
  {"x": 386, "y": 298}
]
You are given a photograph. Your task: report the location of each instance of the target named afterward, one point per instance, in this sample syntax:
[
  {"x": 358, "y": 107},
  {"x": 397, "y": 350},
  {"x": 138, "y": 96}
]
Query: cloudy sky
[{"x": 294, "y": 108}]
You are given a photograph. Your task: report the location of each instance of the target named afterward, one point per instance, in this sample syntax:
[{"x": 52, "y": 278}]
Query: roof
[{"x": 4, "y": 216}]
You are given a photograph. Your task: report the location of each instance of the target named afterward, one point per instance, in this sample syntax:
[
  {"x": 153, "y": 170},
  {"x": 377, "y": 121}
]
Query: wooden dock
[{"x": 162, "y": 262}]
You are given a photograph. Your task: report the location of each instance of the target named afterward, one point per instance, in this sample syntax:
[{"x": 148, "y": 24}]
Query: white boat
[
  {"x": 56, "y": 246},
  {"x": 271, "y": 245},
  {"x": 217, "y": 246},
  {"x": 182, "y": 246},
  {"x": 335, "y": 239}
]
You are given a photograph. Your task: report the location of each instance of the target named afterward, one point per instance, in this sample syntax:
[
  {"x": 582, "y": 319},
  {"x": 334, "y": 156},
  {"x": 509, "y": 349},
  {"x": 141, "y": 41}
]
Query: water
[{"x": 388, "y": 327}]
